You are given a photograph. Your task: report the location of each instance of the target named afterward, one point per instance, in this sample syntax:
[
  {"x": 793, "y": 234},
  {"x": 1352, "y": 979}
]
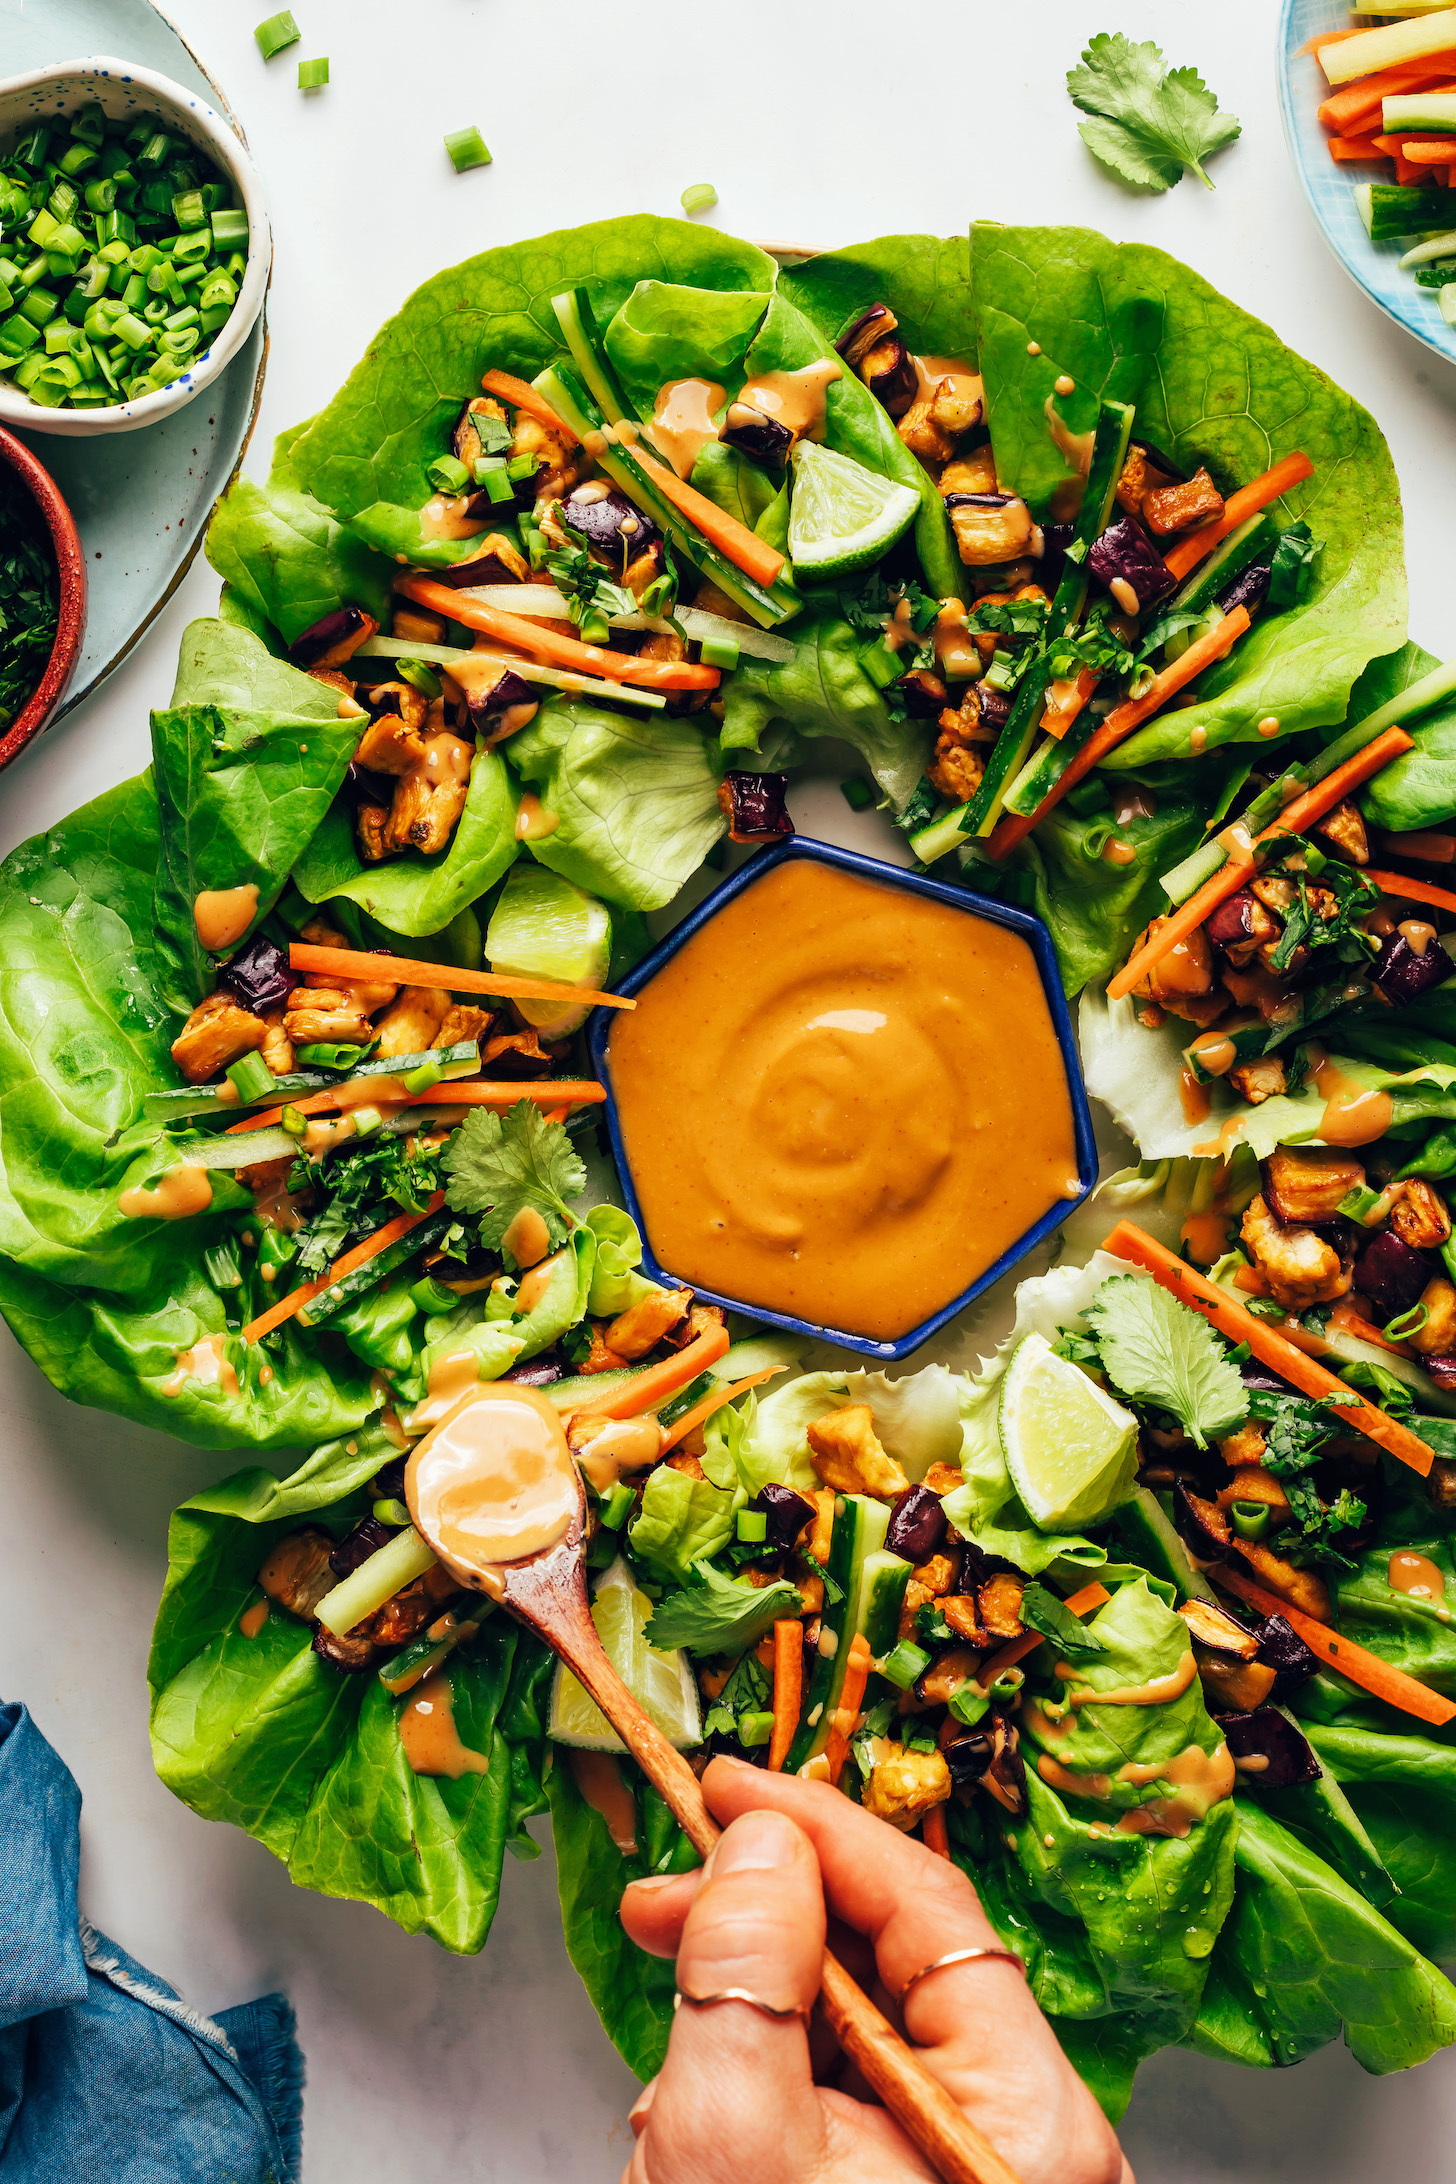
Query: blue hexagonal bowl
[{"x": 956, "y": 898}]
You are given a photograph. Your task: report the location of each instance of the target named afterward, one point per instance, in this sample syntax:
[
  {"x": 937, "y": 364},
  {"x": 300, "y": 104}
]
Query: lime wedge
[
  {"x": 664, "y": 1682},
  {"x": 1070, "y": 1449},
  {"x": 842, "y": 516},
  {"x": 543, "y": 927}
]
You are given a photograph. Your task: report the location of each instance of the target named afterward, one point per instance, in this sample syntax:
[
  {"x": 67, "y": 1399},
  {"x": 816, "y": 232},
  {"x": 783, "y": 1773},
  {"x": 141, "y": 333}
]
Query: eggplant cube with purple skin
[
  {"x": 1403, "y": 974},
  {"x": 753, "y": 805},
  {"x": 259, "y": 974},
  {"x": 1126, "y": 561},
  {"x": 333, "y": 639}
]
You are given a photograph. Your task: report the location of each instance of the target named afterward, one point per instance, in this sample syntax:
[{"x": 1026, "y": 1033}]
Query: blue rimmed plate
[
  {"x": 1330, "y": 189},
  {"x": 1031, "y": 930}
]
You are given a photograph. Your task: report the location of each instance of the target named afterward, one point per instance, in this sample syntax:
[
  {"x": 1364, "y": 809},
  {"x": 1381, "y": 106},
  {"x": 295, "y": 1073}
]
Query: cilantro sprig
[
  {"x": 1158, "y": 1350},
  {"x": 1148, "y": 123},
  {"x": 500, "y": 1165}
]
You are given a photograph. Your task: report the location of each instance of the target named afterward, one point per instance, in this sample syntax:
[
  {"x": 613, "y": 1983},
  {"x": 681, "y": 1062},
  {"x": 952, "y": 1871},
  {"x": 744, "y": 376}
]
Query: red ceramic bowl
[{"x": 71, "y": 619}]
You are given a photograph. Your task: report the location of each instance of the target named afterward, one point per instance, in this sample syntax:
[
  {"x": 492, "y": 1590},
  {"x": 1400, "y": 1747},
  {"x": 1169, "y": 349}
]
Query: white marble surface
[{"x": 817, "y": 125}]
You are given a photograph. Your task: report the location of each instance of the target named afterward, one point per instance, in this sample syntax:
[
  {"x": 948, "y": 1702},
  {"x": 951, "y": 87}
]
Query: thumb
[{"x": 736, "y": 2097}]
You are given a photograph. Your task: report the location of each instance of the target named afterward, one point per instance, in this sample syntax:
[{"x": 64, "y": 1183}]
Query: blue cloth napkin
[{"x": 106, "y": 2075}]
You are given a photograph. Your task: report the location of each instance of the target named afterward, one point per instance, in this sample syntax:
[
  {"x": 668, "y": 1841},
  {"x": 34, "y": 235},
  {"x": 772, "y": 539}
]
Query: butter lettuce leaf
[
  {"x": 680, "y": 1521},
  {"x": 1419, "y": 788},
  {"x": 822, "y": 691},
  {"x": 286, "y": 556},
  {"x": 417, "y": 895}
]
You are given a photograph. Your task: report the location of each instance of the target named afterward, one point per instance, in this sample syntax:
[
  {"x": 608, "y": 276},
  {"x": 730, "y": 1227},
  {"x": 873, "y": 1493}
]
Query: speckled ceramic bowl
[
  {"x": 122, "y": 89},
  {"x": 71, "y": 619}
]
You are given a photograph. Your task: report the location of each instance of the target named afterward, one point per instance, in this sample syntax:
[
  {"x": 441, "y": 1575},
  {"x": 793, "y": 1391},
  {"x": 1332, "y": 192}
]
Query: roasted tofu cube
[
  {"x": 943, "y": 1479},
  {"x": 1245, "y": 1447},
  {"x": 1343, "y": 831},
  {"x": 1258, "y": 1081},
  {"x": 1419, "y": 1217},
  {"x": 277, "y": 1047},
  {"x": 371, "y": 831},
  {"x": 1303, "y": 1589},
  {"x": 559, "y": 462},
  {"x": 1437, "y": 1338},
  {"x": 1300, "y": 1267},
  {"x": 496, "y": 559},
  {"x": 1308, "y": 1183},
  {"x": 515, "y": 1054},
  {"x": 923, "y": 434},
  {"x": 963, "y": 1615},
  {"x": 637, "y": 1330},
  {"x": 817, "y": 1534},
  {"x": 216, "y": 1033},
  {"x": 411, "y": 1023},
  {"x": 954, "y": 409},
  {"x": 957, "y": 769},
  {"x": 1170, "y": 508},
  {"x": 1133, "y": 482},
  {"x": 1441, "y": 1484},
  {"x": 1185, "y": 982},
  {"x": 847, "y": 1455},
  {"x": 990, "y": 528},
  {"x": 296, "y": 1572},
  {"x": 334, "y": 678},
  {"x": 999, "y": 1600},
  {"x": 643, "y": 569},
  {"x": 935, "y": 1576},
  {"x": 903, "y": 1786},
  {"x": 368, "y": 994},
  {"x": 948, "y": 1674},
  {"x": 431, "y": 796},
  {"x": 463, "y": 1021},
  {"x": 600, "y": 1358},
  {"x": 326, "y": 1015},
  {"x": 419, "y": 628},
  {"x": 973, "y": 472}
]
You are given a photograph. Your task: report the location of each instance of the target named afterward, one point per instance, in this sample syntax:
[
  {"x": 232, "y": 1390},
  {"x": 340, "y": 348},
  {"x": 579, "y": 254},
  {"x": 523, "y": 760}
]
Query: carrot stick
[
  {"x": 788, "y": 1688},
  {"x": 361, "y": 1254},
  {"x": 715, "y": 1402},
  {"x": 1407, "y": 173},
  {"x": 1058, "y": 718},
  {"x": 933, "y": 1833},
  {"x": 1345, "y": 149},
  {"x": 659, "y": 1381},
  {"x": 1289, "y": 471},
  {"x": 1323, "y": 38},
  {"x": 851, "y": 1698},
  {"x": 1300, "y": 812},
  {"x": 1077, "y": 1603},
  {"x": 305, "y": 955},
  {"x": 559, "y": 1114},
  {"x": 1430, "y": 151},
  {"x": 535, "y": 639},
  {"x": 1366, "y": 1669},
  {"x": 1344, "y": 111},
  {"x": 744, "y": 548},
  {"x": 1393, "y": 883},
  {"x": 475, "y": 1092},
  {"x": 1184, "y": 1282},
  {"x": 1121, "y": 722},
  {"x": 1425, "y": 846},
  {"x": 522, "y": 395}
]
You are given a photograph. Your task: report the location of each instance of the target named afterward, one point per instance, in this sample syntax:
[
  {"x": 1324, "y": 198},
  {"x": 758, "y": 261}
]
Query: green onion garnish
[
  {"x": 752, "y": 1527},
  {"x": 857, "y": 793},
  {"x": 904, "y": 1664},
  {"x": 253, "y": 1078},
  {"x": 720, "y": 652},
  {"x": 313, "y": 75},
  {"x": 422, "y": 678},
  {"x": 467, "y": 149},
  {"x": 279, "y": 31},
  {"x": 698, "y": 196},
  {"x": 447, "y": 474}
]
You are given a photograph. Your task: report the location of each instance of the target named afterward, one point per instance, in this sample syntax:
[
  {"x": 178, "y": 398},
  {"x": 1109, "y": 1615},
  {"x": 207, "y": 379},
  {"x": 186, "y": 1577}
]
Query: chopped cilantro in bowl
[{"x": 29, "y": 597}]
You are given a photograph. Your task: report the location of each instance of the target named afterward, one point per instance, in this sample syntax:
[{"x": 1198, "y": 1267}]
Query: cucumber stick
[
  {"x": 373, "y": 1272},
  {"x": 882, "y": 1595},
  {"x": 1152, "y": 1541},
  {"x": 588, "y": 353},
  {"x": 1229, "y": 559},
  {"x": 569, "y": 398},
  {"x": 1420, "y": 113},
  {"x": 860, "y": 1525}
]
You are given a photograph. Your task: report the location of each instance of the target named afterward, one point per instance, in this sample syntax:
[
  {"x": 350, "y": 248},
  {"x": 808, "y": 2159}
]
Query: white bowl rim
[{"x": 232, "y": 153}]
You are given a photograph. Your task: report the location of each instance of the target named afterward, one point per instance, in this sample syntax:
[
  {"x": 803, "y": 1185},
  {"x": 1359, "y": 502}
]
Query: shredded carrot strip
[
  {"x": 1323, "y": 38},
  {"x": 652, "y": 1388},
  {"x": 1121, "y": 722},
  {"x": 933, "y": 1832},
  {"x": 788, "y": 1688},
  {"x": 1057, "y": 719},
  {"x": 359, "y": 1256},
  {"x": 1425, "y": 846},
  {"x": 522, "y": 395},
  {"x": 1393, "y": 883},
  {"x": 474, "y": 1092},
  {"x": 1366, "y": 1669},
  {"x": 1299, "y": 813},
  {"x": 543, "y": 643},
  {"x": 715, "y": 1402},
  {"x": 851, "y": 1698},
  {"x": 559, "y": 1114},
  {"x": 1289, "y": 471},
  {"x": 1077, "y": 1603},
  {"x": 744, "y": 548},
  {"x": 1184, "y": 1282},
  {"x": 352, "y": 963}
]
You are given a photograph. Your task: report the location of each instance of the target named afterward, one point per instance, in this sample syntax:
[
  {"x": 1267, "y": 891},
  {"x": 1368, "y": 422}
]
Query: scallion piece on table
[
  {"x": 279, "y": 31},
  {"x": 467, "y": 149},
  {"x": 313, "y": 75},
  {"x": 698, "y": 196}
]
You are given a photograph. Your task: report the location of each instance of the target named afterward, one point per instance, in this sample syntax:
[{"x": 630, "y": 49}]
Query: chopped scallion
[
  {"x": 279, "y": 31},
  {"x": 857, "y": 793},
  {"x": 313, "y": 75},
  {"x": 467, "y": 149},
  {"x": 252, "y": 1077},
  {"x": 447, "y": 474},
  {"x": 752, "y": 1527},
  {"x": 698, "y": 196},
  {"x": 904, "y": 1664},
  {"x": 720, "y": 652}
]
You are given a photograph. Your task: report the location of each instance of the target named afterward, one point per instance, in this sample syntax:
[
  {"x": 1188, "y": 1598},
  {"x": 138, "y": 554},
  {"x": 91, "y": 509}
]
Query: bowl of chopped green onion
[
  {"x": 42, "y": 596},
  {"x": 135, "y": 247}
]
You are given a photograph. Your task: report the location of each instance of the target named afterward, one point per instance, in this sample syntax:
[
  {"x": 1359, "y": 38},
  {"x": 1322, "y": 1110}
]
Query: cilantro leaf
[
  {"x": 1148, "y": 123},
  {"x": 499, "y": 1165},
  {"x": 722, "y": 1615},
  {"x": 1158, "y": 1349},
  {"x": 1041, "y": 1610}
]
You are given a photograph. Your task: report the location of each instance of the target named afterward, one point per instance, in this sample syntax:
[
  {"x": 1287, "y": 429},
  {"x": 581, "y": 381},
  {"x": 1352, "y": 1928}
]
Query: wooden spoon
[{"x": 547, "y": 1592}]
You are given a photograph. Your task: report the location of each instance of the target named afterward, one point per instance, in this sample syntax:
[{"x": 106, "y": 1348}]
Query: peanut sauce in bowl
[{"x": 847, "y": 1099}]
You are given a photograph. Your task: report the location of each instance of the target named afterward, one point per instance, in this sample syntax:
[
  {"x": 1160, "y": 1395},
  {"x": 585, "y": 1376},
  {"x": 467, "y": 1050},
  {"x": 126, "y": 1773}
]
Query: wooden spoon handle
[{"x": 918, "y": 2102}]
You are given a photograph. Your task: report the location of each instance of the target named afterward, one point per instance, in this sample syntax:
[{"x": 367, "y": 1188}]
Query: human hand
[{"x": 736, "y": 2096}]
